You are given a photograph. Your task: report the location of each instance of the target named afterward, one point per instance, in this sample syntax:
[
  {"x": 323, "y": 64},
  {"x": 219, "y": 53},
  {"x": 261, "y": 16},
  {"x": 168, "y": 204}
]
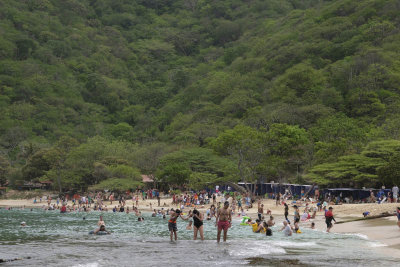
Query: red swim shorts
[{"x": 223, "y": 225}]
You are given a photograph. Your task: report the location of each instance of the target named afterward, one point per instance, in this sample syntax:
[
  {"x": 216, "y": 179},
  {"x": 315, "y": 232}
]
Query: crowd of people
[
  {"x": 223, "y": 220},
  {"x": 222, "y": 208}
]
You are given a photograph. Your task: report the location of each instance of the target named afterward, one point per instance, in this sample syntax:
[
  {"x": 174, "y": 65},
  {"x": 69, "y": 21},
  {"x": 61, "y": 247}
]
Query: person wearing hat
[
  {"x": 23, "y": 223},
  {"x": 328, "y": 219}
]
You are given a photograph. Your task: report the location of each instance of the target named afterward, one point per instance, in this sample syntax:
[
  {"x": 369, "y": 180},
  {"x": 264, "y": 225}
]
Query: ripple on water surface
[{"x": 54, "y": 239}]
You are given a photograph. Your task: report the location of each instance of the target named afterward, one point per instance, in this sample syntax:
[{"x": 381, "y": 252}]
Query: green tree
[
  {"x": 57, "y": 156},
  {"x": 198, "y": 180},
  {"x": 245, "y": 146},
  {"x": 117, "y": 184},
  {"x": 389, "y": 174},
  {"x": 177, "y": 167},
  {"x": 4, "y": 170},
  {"x": 369, "y": 168},
  {"x": 337, "y": 135}
]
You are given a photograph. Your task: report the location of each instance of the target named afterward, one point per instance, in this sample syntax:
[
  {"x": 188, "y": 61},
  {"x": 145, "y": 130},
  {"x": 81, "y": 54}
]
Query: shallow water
[{"x": 54, "y": 239}]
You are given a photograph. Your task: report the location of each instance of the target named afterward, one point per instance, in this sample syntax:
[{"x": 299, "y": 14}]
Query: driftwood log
[
  {"x": 309, "y": 190},
  {"x": 236, "y": 186},
  {"x": 382, "y": 215}
]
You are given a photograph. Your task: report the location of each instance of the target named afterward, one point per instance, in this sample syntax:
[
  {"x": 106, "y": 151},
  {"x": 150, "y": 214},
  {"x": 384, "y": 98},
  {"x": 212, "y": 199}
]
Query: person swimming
[
  {"x": 268, "y": 230},
  {"x": 262, "y": 228},
  {"x": 255, "y": 225},
  {"x": 102, "y": 229},
  {"x": 63, "y": 209},
  {"x": 271, "y": 222},
  {"x": 189, "y": 217}
]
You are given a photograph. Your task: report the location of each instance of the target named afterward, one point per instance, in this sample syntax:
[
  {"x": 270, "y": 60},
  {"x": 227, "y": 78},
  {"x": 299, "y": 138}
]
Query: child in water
[{"x": 172, "y": 223}]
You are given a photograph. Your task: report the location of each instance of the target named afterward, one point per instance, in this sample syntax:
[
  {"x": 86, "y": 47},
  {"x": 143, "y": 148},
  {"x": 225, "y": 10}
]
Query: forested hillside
[{"x": 94, "y": 93}]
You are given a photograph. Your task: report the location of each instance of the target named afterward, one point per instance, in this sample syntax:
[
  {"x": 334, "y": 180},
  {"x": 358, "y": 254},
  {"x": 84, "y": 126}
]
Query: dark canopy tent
[
  {"x": 346, "y": 192},
  {"x": 356, "y": 194},
  {"x": 274, "y": 188}
]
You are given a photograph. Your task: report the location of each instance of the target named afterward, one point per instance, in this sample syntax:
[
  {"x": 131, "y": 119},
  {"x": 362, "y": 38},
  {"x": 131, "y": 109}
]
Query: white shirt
[
  {"x": 287, "y": 231},
  {"x": 395, "y": 190}
]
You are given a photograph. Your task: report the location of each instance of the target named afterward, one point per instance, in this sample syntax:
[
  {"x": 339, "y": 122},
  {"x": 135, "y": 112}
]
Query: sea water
[{"x": 54, "y": 239}]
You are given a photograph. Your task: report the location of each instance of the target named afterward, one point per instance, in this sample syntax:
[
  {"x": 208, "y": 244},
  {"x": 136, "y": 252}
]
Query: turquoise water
[{"x": 54, "y": 239}]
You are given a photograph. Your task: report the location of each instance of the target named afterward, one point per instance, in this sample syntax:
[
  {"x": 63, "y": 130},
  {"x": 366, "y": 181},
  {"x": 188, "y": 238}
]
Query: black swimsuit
[{"x": 197, "y": 222}]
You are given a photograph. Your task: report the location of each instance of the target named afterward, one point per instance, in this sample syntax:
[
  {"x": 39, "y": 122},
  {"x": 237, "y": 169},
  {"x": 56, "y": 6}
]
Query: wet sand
[{"x": 383, "y": 230}]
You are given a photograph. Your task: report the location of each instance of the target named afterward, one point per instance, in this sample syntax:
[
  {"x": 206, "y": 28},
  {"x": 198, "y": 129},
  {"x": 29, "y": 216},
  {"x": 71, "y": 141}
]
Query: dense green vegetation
[{"x": 195, "y": 92}]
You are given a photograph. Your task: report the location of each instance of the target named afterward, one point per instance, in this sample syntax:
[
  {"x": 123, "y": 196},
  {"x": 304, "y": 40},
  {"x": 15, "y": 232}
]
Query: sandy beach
[{"x": 384, "y": 231}]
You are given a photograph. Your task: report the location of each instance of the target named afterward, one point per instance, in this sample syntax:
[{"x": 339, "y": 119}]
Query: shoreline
[{"x": 384, "y": 231}]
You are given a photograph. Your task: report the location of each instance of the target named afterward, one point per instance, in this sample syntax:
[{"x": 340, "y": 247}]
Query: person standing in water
[
  {"x": 287, "y": 231},
  {"x": 296, "y": 217},
  {"x": 172, "y": 223},
  {"x": 286, "y": 212},
  {"x": 260, "y": 210},
  {"x": 224, "y": 219},
  {"x": 198, "y": 224},
  {"x": 328, "y": 219}
]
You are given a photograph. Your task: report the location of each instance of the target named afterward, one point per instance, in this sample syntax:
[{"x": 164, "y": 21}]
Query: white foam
[
  {"x": 290, "y": 244},
  {"x": 257, "y": 250},
  {"x": 376, "y": 244},
  {"x": 362, "y": 236},
  {"x": 90, "y": 264}
]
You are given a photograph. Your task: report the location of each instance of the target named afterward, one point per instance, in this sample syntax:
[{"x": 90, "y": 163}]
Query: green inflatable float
[{"x": 244, "y": 220}]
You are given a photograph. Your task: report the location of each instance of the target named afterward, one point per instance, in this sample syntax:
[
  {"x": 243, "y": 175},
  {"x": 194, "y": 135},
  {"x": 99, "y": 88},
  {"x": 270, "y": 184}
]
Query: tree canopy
[{"x": 285, "y": 90}]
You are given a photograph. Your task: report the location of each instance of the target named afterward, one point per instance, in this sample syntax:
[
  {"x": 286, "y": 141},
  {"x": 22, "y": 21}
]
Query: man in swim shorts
[{"x": 224, "y": 220}]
